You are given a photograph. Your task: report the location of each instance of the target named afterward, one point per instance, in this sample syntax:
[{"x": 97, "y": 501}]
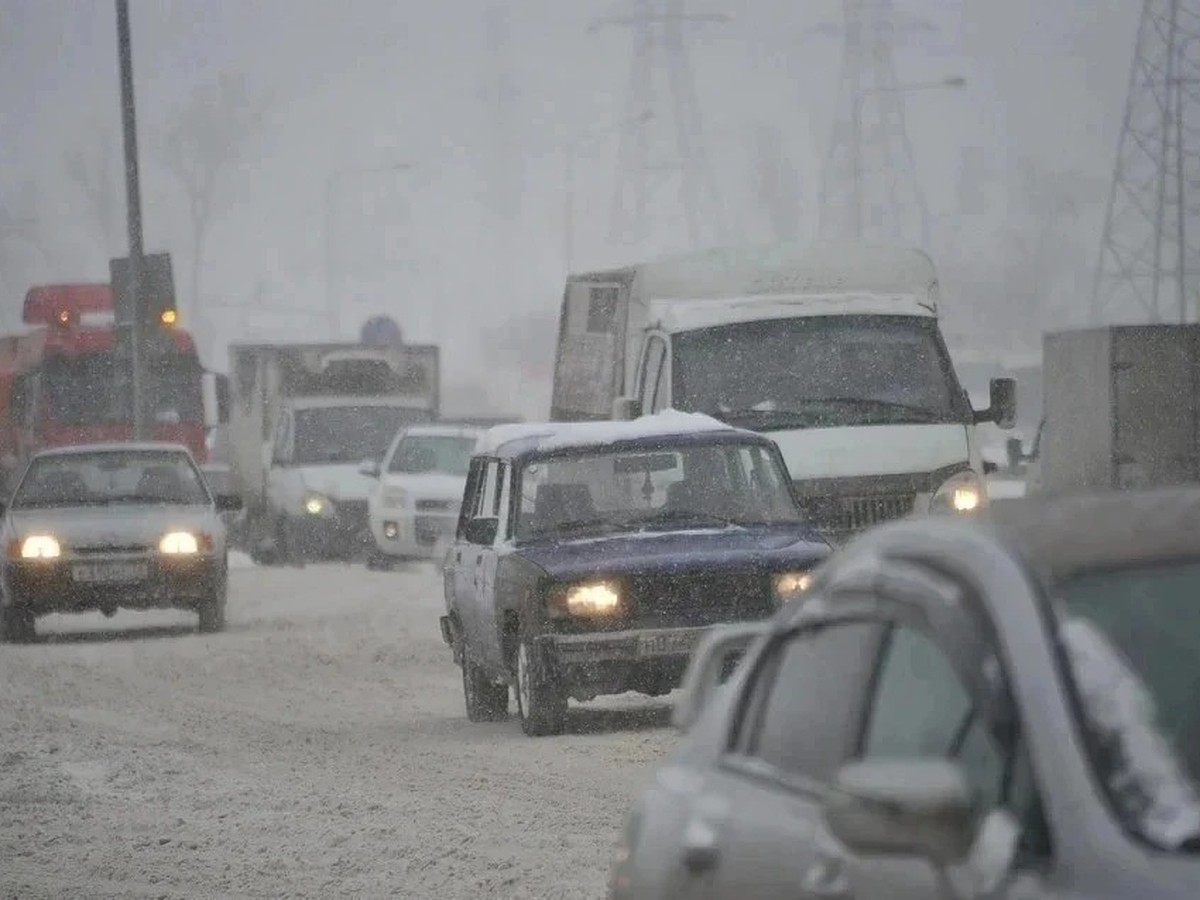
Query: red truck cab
[{"x": 66, "y": 382}]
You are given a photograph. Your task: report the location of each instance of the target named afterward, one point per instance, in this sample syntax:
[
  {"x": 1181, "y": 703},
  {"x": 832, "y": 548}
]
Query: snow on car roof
[
  {"x": 115, "y": 447},
  {"x": 547, "y": 436},
  {"x": 1062, "y": 537}
]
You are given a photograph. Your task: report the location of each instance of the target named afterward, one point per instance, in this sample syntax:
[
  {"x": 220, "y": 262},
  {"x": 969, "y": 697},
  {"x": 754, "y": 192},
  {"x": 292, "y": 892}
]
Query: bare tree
[
  {"x": 777, "y": 183},
  {"x": 206, "y": 138},
  {"x": 95, "y": 167}
]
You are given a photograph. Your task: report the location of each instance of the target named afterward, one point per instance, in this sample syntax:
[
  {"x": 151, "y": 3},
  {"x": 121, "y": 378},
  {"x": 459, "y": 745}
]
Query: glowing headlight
[
  {"x": 960, "y": 493},
  {"x": 790, "y": 585},
  {"x": 315, "y": 505},
  {"x": 594, "y": 599},
  {"x": 394, "y": 497},
  {"x": 179, "y": 543},
  {"x": 40, "y": 546}
]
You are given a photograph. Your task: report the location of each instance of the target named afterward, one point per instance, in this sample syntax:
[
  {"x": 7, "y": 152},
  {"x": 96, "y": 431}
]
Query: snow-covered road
[{"x": 317, "y": 748}]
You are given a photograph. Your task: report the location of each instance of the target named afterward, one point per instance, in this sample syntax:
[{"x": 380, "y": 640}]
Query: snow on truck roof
[
  {"x": 819, "y": 267},
  {"x": 544, "y": 437}
]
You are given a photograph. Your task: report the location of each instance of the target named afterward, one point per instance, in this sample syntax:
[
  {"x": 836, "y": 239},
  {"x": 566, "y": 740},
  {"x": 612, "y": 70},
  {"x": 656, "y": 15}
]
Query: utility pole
[
  {"x": 1150, "y": 248},
  {"x": 869, "y": 186},
  {"x": 659, "y": 51},
  {"x": 133, "y": 213}
]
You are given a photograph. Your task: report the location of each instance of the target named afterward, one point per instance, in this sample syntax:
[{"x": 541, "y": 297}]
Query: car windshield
[
  {"x": 111, "y": 477},
  {"x": 447, "y": 454},
  {"x": 667, "y": 487},
  {"x": 818, "y": 371},
  {"x": 1133, "y": 639},
  {"x": 348, "y": 434},
  {"x": 96, "y": 389}
]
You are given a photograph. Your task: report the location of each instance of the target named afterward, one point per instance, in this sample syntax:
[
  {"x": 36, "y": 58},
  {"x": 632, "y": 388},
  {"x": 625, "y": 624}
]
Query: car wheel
[
  {"x": 17, "y": 625},
  {"x": 485, "y": 701},
  {"x": 212, "y": 614},
  {"x": 541, "y": 701}
]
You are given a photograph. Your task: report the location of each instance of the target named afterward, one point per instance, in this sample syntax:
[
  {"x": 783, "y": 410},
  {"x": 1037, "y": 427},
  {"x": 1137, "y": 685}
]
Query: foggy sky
[{"x": 367, "y": 83}]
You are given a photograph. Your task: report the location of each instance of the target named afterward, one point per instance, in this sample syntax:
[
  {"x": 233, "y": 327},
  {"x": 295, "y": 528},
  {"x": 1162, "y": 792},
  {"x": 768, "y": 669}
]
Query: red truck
[{"x": 65, "y": 382}]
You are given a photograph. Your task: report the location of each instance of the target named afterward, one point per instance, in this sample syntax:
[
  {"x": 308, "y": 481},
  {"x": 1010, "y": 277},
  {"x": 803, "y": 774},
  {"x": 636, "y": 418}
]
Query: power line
[
  {"x": 1150, "y": 247},
  {"x": 660, "y": 64},
  {"x": 869, "y": 185}
]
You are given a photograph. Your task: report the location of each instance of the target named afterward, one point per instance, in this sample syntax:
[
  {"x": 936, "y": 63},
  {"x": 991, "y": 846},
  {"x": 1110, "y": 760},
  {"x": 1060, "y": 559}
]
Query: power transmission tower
[
  {"x": 661, "y": 67},
  {"x": 1150, "y": 249},
  {"x": 869, "y": 185}
]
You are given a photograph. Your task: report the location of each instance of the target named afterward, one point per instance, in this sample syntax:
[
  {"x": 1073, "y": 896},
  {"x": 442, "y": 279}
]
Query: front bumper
[
  {"x": 403, "y": 533},
  {"x": 341, "y": 534},
  {"x": 129, "y": 582},
  {"x": 648, "y": 660}
]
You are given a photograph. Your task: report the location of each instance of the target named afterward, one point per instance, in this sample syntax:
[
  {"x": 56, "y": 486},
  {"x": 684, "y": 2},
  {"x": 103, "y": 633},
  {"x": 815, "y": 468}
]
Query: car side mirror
[
  {"x": 369, "y": 468},
  {"x": 481, "y": 531},
  {"x": 711, "y": 663},
  {"x": 918, "y": 808},
  {"x": 989, "y": 467},
  {"x": 626, "y": 408},
  {"x": 1002, "y": 407},
  {"x": 228, "y": 503}
]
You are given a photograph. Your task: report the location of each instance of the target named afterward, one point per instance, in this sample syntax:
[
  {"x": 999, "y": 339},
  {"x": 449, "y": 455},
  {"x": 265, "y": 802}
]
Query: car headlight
[
  {"x": 40, "y": 546},
  {"x": 790, "y": 585},
  {"x": 179, "y": 543},
  {"x": 317, "y": 505},
  {"x": 394, "y": 497},
  {"x": 592, "y": 598},
  {"x": 960, "y": 493}
]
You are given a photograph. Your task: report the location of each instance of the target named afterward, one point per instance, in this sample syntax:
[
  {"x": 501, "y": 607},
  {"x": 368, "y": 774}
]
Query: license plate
[
  {"x": 667, "y": 644},
  {"x": 109, "y": 573}
]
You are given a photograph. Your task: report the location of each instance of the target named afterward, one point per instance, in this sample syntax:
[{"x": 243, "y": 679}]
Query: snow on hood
[
  {"x": 340, "y": 481},
  {"x": 1144, "y": 778}
]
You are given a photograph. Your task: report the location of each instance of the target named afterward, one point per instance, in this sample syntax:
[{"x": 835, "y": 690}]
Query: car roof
[
  {"x": 114, "y": 447},
  {"x": 536, "y": 438},
  {"x": 1064, "y": 536}
]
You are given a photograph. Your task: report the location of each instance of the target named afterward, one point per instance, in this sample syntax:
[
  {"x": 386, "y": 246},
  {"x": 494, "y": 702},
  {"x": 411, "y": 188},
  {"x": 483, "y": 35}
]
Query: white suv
[{"x": 413, "y": 506}]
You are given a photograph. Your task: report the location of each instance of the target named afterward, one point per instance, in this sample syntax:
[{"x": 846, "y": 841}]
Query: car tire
[
  {"x": 485, "y": 701},
  {"x": 17, "y": 626},
  {"x": 541, "y": 700},
  {"x": 212, "y": 613}
]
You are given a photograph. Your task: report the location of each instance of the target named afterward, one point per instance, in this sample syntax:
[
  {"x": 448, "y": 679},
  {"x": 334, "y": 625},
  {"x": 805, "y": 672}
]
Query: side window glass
[
  {"x": 921, "y": 709},
  {"x": 660, "y": 382},
  {"x": 487, "y": 499},
  {"x": 503, "y": 498},
  {"x": 809, "y": 698},
  {"x": 651, "y": 368}
]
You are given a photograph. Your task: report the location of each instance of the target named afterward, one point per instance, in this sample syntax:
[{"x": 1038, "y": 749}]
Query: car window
[
  {"x": 486, "y": 499},
  {"x": 921, "y": 709},
  {"x": 805, "y": 699}
]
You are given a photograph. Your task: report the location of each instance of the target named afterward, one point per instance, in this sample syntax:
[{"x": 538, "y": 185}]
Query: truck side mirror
[
  {"x": 626, "y": 408},
  {"x": 1003, "y": 407},
  {"x": 1016, "y": 453}
]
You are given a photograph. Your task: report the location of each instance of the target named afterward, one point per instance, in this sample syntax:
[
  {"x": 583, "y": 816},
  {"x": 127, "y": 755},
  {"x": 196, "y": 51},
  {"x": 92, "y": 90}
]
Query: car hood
[
  {"x": 429, "y": 485},
  {"x": 680, "y": 551},
  {"x": 337, "y": 481},
  {"x": 134, "y": 524}
]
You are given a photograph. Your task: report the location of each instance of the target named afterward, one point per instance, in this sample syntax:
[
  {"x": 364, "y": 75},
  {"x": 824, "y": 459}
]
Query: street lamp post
[
  {"x": 331, "y": 185},
  {"x": 954, "y": 81},
  {"x": 569, "y": 150}
]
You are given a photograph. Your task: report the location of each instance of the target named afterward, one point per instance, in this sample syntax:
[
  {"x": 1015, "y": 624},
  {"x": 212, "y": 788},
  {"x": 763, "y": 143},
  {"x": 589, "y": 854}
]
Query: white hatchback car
[{"x": 413, "y": 507}]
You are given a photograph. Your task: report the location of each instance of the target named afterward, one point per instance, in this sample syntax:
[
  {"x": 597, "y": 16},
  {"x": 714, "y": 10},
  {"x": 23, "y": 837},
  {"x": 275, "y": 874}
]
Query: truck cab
[{"x": 833, "y": 350}]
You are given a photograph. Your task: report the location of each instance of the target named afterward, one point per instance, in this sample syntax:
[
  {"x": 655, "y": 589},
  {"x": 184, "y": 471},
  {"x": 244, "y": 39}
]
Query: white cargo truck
[
  {"x": 303, "y": 419},
  {"x": 834, "y": 349}
]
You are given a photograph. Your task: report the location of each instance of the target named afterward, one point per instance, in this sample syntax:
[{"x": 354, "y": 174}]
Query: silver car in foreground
[
  {"x": 111, "y": 526},
  {"x": 1002, "y": 708}
]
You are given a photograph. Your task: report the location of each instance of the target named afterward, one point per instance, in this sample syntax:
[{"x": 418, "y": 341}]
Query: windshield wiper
[
  {"x": 690, "y": 517},
  {"x": 873, "y": 402}
]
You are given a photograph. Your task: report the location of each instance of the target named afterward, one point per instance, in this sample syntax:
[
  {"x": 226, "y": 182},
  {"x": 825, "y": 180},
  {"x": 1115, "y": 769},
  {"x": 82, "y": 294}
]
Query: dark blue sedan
[{"x": 591, "y": 557}]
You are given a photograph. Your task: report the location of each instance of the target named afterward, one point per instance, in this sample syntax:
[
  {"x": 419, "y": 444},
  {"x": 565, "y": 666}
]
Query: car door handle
[
  {"x": 826, "y": 879},
  {"x": 700, "y": 851}
]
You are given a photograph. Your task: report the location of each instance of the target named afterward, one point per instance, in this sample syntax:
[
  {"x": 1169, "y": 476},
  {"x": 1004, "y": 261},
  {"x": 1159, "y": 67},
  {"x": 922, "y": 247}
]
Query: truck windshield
[
  {"x": 658, "y": 489},
  {"x": 818, "y": 372},
  {"x": 349, "y": 434},
  {"x": 97, "y": 389}
]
